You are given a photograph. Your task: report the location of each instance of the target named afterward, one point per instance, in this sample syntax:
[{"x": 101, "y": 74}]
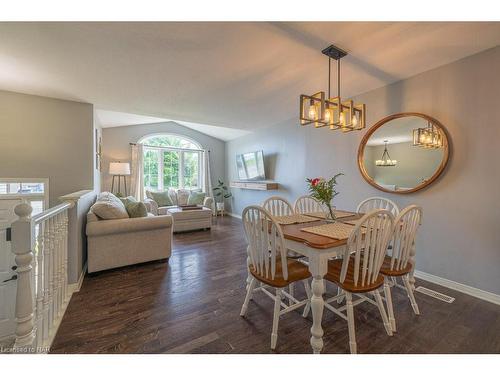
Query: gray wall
[
  {"x": 460, "y": 237},
  {"x": 116, "y": 146},
  {"x": 47, "y": 138}
]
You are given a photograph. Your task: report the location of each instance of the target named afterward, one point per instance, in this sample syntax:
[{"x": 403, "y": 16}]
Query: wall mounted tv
[{"x": 251, "y": 166}]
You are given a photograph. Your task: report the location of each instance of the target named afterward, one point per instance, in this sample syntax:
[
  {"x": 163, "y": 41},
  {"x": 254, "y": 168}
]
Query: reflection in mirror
[{"x": 404, "y": 154}]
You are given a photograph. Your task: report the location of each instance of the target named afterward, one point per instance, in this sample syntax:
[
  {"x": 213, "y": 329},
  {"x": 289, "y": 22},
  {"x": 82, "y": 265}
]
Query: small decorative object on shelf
[
  {"x": 324, "y": 191},
  {"x": 221, "y": 192}
]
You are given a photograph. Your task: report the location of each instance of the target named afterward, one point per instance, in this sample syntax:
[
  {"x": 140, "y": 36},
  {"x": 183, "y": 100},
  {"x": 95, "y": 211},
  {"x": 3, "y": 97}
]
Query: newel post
[{"x": 22, "y": 248}]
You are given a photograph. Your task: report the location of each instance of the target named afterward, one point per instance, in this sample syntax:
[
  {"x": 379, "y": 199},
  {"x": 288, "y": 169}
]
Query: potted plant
[
  {"x": 221, "y": 192},
  {"x": 324, "y": 191}
]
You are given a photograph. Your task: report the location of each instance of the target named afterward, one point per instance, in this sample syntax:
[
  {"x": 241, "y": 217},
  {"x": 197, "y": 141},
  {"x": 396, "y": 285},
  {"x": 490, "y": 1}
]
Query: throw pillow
[
  {"x": 182, "y": 197},
  {"x": 196, "y": 197},
  {"x": 136, "y": 209},
  {"x": 109, "y": 207},
  {"x": 161, "y": 198}
]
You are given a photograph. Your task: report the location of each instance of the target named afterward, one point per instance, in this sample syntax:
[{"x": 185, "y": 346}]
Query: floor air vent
[{"x": 434, "y": 294}]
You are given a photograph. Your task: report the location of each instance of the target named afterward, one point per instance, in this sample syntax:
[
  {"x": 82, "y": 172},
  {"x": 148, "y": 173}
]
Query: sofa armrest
[
  {"x": 151, "y": 206},
  {"x": 106, "y": 227},
  {"x": 209, "y": 203}
]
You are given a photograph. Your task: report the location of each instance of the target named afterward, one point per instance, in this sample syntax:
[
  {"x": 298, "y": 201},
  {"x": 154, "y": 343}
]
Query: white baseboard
[
  {"x": 76, "y": 286},
  {"x": 234, "y": 215},
  {"x": 474, "y": 292}
]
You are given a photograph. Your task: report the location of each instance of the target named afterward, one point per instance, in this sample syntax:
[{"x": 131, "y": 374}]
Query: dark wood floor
[{"x": 191, "y": 305}]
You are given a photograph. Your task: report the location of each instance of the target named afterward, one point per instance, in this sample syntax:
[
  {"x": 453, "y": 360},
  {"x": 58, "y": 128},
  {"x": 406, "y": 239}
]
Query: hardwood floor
[{"x": 191, "y": 305}]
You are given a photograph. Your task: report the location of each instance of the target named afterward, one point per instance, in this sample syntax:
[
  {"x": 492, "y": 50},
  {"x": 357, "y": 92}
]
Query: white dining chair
[
  {"x": 278, "y": 206},
  {"x": 268, "y": 263},
  {"x": 358, "y": 271},
  {"x": 307, "y": 204},
  {"x": 397, "y": 262},
  {"x": 377, "y": 203}
]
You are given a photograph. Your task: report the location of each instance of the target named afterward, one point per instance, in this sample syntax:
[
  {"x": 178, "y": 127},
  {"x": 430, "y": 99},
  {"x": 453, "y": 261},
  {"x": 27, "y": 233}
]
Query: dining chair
[
  {"x": 307, "y": 204},
  {"x": 268, "y": 263},
  {"x": 397, "y": 263},
  {"x": 358, "y": 271},
  {"x": 377, "y": 203},
  {"x": 278, "y": 206}
]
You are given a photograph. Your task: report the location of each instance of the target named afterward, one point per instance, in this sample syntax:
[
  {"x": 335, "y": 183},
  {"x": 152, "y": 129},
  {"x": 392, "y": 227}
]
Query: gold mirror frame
[{"x": 385, "y": 120}]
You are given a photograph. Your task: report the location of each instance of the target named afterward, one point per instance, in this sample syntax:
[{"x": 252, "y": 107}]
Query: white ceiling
[
  {"x": 111, "y": 119},
  {"x": 235, "y": 75}
]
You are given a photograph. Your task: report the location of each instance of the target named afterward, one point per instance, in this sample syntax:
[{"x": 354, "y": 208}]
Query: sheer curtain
[
  {"x": 207, "y": 180},
  {"x": 137, "y": 176}
]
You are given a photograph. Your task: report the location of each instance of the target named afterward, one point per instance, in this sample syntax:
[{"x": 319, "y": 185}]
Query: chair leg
[
  {"x": 409, "y": 290},
  {"x": 381, "y": 308},
  {"x": 276, "y": 317},
  {"x": 248, "y": 297},
  {"x": 339, "y": 291},
  {"x": 291, "y": 291},
  {"x": 307, "y": 287},
  {"x": 388, "y": 302},
  {"x": 350, "y": 323}
]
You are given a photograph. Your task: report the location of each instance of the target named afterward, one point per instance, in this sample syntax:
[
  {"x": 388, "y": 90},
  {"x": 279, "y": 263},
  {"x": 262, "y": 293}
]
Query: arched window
[{"x": 172, "y": 161}]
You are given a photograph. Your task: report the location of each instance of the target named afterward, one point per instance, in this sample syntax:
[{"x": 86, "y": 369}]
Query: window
[
  {"x": 31, "y": 190},
  {"x": 172, "y": 161}
]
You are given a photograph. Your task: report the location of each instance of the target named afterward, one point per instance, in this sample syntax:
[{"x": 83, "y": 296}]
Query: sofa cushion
[
  {"x": 196, "y": 197},
  {"x": 162, "y": 198},
  {"x": 109, "y": 207},
  {"x": 134, "y": 208},
  {"x": 172, "y": 193}
]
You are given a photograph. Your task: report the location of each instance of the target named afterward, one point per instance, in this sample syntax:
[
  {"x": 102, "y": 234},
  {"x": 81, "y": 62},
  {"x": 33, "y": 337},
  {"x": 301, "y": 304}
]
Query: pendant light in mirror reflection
[
  {"x": 429, "y": 137},
  {"x": 386, "y": 160},
  {"x": 322, "y": 110}
]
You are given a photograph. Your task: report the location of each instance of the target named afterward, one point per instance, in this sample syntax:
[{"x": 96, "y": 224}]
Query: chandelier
[
  {"x": 330, "y": 111},
  {"x": 386, "y": 160},
  {"x": 429, "y": 137}
]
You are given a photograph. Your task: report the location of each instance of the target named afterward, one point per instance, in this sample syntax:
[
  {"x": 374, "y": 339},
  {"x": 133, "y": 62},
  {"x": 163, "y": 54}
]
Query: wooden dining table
[{"x": 318, "y": 249}]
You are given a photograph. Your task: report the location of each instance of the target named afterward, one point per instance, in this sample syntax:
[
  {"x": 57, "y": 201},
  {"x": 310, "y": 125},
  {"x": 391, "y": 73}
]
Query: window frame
[{"x": 181, "y": 151}]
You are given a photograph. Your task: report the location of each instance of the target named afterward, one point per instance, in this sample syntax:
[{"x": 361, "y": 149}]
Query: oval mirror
[{"x": 403, "y": 153}]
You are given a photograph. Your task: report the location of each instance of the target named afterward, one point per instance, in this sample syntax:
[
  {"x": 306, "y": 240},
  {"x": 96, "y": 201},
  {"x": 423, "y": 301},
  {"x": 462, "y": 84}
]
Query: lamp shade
[{"x": 117, "y": 168}]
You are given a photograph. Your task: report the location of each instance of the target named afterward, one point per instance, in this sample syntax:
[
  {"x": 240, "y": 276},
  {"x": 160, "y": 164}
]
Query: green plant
[
  {"x": 324, "y": 191},
  {"x": 221, "y": 192}
]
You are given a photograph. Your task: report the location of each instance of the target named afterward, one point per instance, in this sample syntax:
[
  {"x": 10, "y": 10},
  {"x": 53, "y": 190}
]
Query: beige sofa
[
  {"x": 122, "y": 242},
  {"x": 178, "y": 197}
]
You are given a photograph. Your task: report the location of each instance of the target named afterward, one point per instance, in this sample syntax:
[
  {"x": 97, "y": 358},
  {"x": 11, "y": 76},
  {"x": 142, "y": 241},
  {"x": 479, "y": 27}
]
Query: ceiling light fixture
[
  {"x": 429, "y": 137},
  {"x": 386, "y": 160},
  {"x": 320, "y": 111}
]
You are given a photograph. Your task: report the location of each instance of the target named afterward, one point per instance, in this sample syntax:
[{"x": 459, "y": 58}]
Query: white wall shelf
[{"x": 254, "y": 185}]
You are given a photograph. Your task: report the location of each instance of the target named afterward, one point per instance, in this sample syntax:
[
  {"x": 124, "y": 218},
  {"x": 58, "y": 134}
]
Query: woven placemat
[
  {"x": 294, "y": 219},
  {"x": 338, "y": 231},
  {"x": 338, "y": 214}
]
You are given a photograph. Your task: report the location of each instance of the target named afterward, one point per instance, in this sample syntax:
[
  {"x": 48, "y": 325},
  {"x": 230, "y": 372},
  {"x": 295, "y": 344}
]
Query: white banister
[
  {"x": 40, "y": 244},
  {"x": 22, "y": 248}
]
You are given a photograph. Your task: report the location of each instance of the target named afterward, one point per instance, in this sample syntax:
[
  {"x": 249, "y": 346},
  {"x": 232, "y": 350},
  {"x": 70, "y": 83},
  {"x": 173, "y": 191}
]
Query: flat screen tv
[{"x": 251, "y": 166}]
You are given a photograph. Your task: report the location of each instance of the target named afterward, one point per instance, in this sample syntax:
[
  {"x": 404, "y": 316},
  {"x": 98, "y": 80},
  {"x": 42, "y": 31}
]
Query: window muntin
[{"x": 172, "y": 161}]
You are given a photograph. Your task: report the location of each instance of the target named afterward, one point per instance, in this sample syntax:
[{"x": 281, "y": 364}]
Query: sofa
[
  {"x": 113, "y": 243},
  {"x": 178, "y": 197}
]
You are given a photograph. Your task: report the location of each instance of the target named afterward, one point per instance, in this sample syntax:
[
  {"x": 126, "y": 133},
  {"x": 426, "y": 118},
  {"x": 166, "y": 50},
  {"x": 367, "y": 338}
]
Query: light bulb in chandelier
[
  {"x": 328, "y": 116},
  {"x": 312, "y": 112},
  {"x": 355, "y": 121},
  {"x": 342, "y": 119}
]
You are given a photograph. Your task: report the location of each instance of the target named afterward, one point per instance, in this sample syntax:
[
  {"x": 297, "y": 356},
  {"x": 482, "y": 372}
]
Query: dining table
[{"x": 318, "y": 249}]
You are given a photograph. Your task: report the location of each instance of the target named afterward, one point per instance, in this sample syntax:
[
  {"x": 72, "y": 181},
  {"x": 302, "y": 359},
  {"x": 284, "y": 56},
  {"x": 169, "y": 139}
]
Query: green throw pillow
[
  {"x": 134, "y": 208},
  {"x": 161, "y": 198},
  {"x": 196, "y": 197}
]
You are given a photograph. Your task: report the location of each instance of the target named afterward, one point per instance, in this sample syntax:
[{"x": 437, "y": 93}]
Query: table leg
[{"x": 317, "y": 267}]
